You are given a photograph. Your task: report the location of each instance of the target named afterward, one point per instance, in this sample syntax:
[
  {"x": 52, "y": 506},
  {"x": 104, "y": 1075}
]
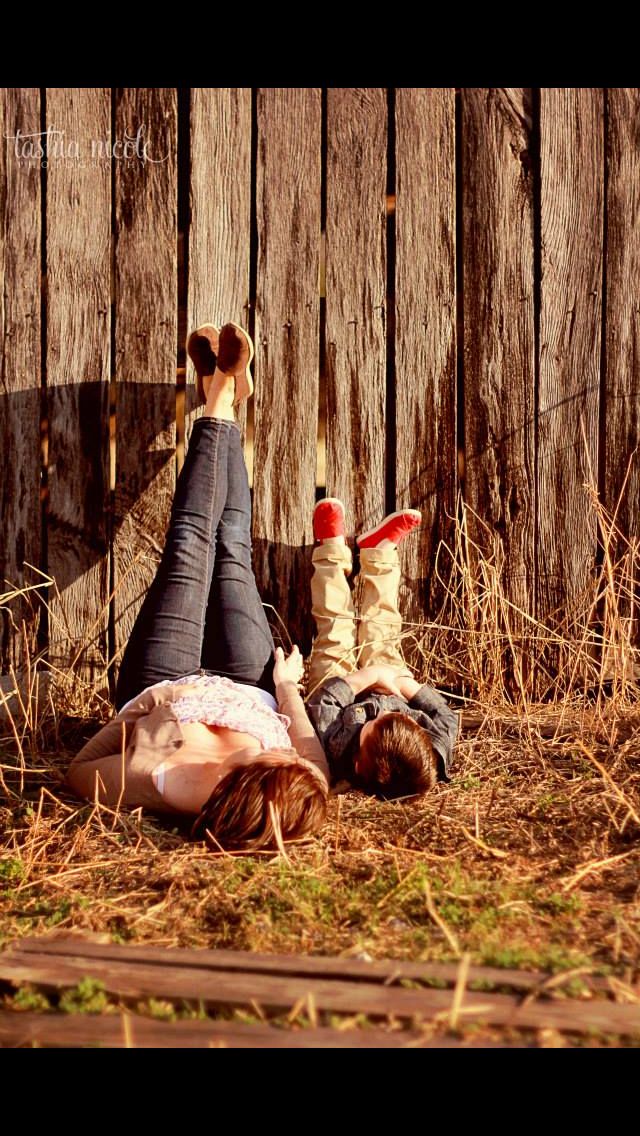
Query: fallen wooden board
[
  {"x": 281, "y": 992},
  {"x": 386, "y": 971},
  {"x": 131, "y": 1031}
]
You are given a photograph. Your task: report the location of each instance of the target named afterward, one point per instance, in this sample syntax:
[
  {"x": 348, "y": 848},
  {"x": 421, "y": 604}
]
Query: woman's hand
[{"x": 288, "y": 668}]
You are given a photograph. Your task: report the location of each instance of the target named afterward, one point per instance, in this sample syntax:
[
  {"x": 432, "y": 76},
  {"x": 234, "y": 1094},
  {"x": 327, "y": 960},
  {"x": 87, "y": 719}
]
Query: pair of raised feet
[
  {"x": 329, "y": 524},
  {"x": 222, "y": 359}
]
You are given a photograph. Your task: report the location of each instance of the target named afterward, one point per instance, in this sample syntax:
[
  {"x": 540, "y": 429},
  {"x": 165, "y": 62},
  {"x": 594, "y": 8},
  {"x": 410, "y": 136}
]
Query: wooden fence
[{"x": 443, "y": 289}]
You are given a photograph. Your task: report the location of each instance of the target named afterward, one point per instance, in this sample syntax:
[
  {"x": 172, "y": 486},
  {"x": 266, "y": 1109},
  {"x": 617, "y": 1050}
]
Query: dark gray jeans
[{"x": 202, "y": 610}]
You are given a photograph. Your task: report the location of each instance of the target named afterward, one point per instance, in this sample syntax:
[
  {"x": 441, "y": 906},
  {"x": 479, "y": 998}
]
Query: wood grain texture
[
  {"x": 20, "y": 375},
  {"x": 78, "y": 371},
  {"x": 145, "y": 346},
  {"x": 425, "y": 333},
  {"x": 220, "y": 226},
  {"x": 572, "y": 177},
  {"x": 287, "y": 347},
  {"x": 622, "y": 378},
  {"x": 356, "y": 301},
  {"x": 133, "y": 1031},
  {"x": 498, "y": 314},
  {"x": 385, "y": 971},
  {"x": 281, "y": 992}
]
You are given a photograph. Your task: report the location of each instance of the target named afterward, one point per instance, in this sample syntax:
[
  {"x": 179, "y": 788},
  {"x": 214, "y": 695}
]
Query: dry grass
[{"x": 528, "y": 858}]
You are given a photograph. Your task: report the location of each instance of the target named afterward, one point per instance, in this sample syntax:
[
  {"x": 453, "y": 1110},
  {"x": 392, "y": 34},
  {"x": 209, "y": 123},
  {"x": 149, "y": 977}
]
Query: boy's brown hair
[
  {"x": 262, "y": 804},
  {"x": 398, "y": 758}
]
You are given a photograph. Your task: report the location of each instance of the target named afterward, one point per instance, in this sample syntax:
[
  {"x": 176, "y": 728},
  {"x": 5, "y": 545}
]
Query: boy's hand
[
  {"x": 381, "y": 678},
  {"x": 408, "y": 687},
  {"x": 289, "y": 669},
  {"x": 387, "y": 681}
]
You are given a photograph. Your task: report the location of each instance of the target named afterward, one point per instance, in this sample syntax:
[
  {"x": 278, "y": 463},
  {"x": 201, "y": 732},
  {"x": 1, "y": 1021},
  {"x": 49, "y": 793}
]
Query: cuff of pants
[
  {"x": 333, "y": 552},
  {"x": 371, "y": 558}
]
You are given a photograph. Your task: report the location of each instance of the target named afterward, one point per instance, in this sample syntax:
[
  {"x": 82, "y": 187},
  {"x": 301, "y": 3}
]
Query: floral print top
[{"x": 222, "y": 702}]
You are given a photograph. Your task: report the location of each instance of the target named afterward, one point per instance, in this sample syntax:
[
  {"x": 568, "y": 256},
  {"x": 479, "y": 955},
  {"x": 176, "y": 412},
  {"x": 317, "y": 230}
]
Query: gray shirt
[{"x": 338, "y": 716}]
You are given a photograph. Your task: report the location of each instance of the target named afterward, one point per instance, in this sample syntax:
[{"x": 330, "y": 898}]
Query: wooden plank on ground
[
  {"x": 425, "y": 334},
  {"x": 499, "y": 347},
  {"x": 318, "y": 966},
  {"x": 145, "y": 346},
  {"x": 220, "y": 225},
  {"x": 20, "y": 371},
  {"x": 622, "y": 381},
  {"x": 572, "y": 193},
  {"x": 356, "y": 287},
  {"x": 278, "y": 993},
  {"x": 78, "y": 370},
  {"x": 133, "y": 1031},
  {"x": 287, "y": 347}
]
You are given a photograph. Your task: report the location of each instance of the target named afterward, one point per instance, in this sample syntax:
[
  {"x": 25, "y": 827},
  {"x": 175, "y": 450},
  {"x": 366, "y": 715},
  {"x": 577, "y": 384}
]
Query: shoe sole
[
  {"x": 244, "y": 379},
  {"x": 199, "y": 378},
  {"x": 385, "y": 521}
]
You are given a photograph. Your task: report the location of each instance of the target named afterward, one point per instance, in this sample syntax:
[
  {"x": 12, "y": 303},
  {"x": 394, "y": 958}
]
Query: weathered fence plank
[
  {"x": 145, "y": 346},
  {"x": 386, "y": 971},
  {"x": 220, "y": 226},
  {"x": 425, "y": 333},
  {"x": 20, "y": 372},
  {"x": 356, "y": 300},
  {"x": 528, "y": 451},
  {"x": 622, "y": 389},
  {"x": 287, "y": 347},
  {"x": 498, "y": 313},
  {"x": 572, "y": 179},
  {"x": 282, "y": 992},
  {"x": 78, "y": 370},
  {"x": 133, "y": 1031}
]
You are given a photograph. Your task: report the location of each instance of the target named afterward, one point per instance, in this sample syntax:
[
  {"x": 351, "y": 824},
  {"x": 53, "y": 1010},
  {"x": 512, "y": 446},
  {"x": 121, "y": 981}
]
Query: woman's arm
[
  {"x": 99, "y": 767},
  {"x": 303, "y": 736},
  {"x": 102, "y": 779},
  {"x": 286, "y": 676}
]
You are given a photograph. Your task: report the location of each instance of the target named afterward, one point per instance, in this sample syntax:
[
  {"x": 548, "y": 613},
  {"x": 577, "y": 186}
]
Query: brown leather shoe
[
  {"x": 235, "y": 352},
  {"x": 202, "y": 349},
  {"x": 229, "y": 348}
]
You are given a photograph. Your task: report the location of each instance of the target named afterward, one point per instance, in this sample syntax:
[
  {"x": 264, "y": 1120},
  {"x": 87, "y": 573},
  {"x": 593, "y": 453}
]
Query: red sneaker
[
  {"x": 393, "y": 528},
  {"x": 328, "y": 518}
]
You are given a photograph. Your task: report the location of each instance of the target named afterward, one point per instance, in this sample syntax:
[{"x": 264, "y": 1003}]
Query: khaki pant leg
[
  {"x": 333, "y": 651},
  {"x": 380, "y": 623}
]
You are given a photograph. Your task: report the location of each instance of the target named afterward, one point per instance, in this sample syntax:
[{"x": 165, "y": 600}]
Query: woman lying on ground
[{"x": 210, "y": 722}]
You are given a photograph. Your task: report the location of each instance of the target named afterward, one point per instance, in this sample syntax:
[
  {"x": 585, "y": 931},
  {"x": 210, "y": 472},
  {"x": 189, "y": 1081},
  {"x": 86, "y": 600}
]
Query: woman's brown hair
[
  {"x": 399, "y": 758},
  {"x": 262, "y": 804}
]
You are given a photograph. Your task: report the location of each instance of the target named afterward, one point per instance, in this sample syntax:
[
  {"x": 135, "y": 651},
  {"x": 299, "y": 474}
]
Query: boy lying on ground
[{"x": 382, "y": 731}]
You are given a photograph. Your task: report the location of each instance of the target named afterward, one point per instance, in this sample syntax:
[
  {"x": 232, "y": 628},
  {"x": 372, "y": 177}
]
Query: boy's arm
[
  {"x": 379, "y": 677},
  {"x": 408, "y": 687},
  {"x": 326, "y": 707},
  {"x": 431, "y": 702},
  {"x": 334, "y": 694}
]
